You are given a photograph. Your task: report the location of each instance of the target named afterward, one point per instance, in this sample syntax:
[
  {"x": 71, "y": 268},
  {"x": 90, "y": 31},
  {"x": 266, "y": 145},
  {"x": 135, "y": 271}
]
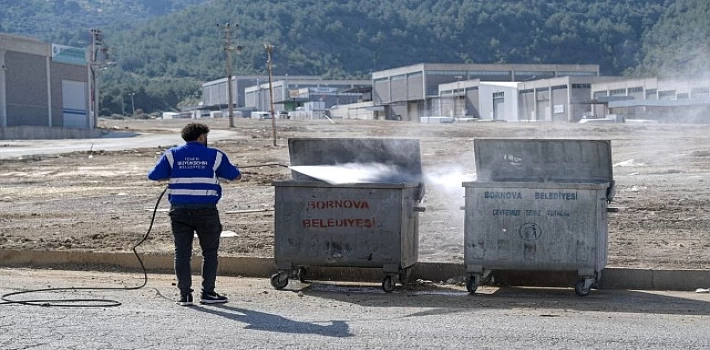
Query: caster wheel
[
  {"x": 472, "y": 283},
  {"x": 388, "y": 284},
  {"x": 301, "y": 274},
  {"x": 278, "y": 281},
  {"x": 580, "y": 290}
]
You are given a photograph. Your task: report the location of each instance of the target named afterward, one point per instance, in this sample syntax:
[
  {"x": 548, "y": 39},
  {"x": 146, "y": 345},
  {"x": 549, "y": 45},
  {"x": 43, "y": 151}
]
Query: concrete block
[
  {"x": 682, "y": 280},
  {"x": 623, "y": 278},
  {"x": 612, "y": 278}
]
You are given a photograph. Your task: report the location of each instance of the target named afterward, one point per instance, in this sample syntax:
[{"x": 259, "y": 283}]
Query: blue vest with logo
[{"x": 194, "y": 171}]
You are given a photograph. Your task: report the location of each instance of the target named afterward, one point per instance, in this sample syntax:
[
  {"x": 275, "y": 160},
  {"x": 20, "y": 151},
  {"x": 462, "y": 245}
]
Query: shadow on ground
[
  {"x": 263, "y": 321},
  {"x": 450, "y": 298}
]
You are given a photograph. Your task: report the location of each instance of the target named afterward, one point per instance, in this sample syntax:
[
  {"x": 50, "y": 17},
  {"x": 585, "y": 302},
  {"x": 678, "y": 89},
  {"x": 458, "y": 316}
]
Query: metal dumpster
[
  {"x": 538, "y": 205},
  {"x": 370, "y": 224}
]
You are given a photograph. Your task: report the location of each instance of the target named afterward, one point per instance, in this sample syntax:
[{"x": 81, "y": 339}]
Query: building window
[
  {"x": 537, "y": 74},
  {"x": 486, "y": 72},
  {"x": 399, "y": 77},
  {"x": 683, "y": 96},
  {"x": 699, "y": 92},
  {"x": 581, "y": 86},
  {"x": 598, "y": 94},
  {"x": 577, "y": 74},
  {"x": 499, "y": 94},
  {"x": 617, "y": 92},
  {"x": 666, "y": 95},
  {"x": 633, "y": 90},
  {"x": 651, "y": 92},
  {"x": 559, "y": 87},
  {"x": 446, "y": 72},
  {"x": 527, "y": 91}
]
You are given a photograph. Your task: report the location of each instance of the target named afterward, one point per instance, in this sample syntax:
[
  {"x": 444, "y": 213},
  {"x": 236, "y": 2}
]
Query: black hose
[{"x": 83, "y": 302}]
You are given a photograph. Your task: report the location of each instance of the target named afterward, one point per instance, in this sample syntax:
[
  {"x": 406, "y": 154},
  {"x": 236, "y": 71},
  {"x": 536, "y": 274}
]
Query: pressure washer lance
[{"x": 261, "y": 165}]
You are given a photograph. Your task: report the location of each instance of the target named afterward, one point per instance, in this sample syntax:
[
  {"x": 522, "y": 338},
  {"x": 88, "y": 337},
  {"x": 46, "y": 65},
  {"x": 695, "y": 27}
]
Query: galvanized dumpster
[
  {"x": 538, "y": 205},
  {"x": 370, "y": 224}
]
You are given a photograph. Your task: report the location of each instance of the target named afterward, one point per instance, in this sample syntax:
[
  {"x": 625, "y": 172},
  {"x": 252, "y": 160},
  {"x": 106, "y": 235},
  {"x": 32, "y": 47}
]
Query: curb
[{"x": 612, "y": 277}]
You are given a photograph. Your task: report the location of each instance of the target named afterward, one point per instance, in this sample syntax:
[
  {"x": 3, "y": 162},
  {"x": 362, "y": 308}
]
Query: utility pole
[
  {"x": 228, "y": 48},
  {"x": 133, "y": 105},
  {"x": 269, "y": 49},
  {"x": 97, "y": 42}
]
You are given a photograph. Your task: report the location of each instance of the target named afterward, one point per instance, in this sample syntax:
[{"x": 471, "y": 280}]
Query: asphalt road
[
  {"x": 328, "y": 315},
  {"x": 114, "y": 141}
]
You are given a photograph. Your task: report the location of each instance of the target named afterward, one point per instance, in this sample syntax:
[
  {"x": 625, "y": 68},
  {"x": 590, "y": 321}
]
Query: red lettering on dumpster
[
  {"x": 345, "y": 222},
  {"x": 337, "y": 204}
]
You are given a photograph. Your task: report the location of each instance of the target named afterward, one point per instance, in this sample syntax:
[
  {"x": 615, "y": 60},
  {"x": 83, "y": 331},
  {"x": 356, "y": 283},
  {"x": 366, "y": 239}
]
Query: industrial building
[
  {"x": 450, "y": 92},
  {"x": 414, "y": 91},
  {"x": 673, "y": 101},
  {"x": 290, "y": 94},
  {"x": 214, "y": 93},
  {"x": 464, "y": 100},
  {"x": 562, "y": 99},
  {"x": 42, "y": 85}
]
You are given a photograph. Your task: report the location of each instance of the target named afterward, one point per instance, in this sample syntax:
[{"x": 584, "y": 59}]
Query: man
[{"x": 193, "y": 191}]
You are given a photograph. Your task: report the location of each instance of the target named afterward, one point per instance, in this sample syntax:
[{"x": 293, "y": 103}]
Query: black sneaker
[
  {"x": 213, "y": 298},
  {"x": 185, "y": 300}
]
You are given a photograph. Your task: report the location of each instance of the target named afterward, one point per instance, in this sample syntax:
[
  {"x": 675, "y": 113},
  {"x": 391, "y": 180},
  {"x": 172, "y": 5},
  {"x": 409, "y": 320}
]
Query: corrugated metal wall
[
  {"x": 399, "y": 88},
  {"x": 381, "y": 91},
  {"x": 472, "y": 103},
  {"x": 526, "y": 105},
  {"x": 26, "y": 84},
  {"x": 560, "y": 108},
  {"x": 415, "y": 86},
  {"x": 543, "y": 105}
]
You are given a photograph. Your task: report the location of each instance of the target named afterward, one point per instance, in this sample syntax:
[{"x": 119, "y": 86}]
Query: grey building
[
  {"x": 685, "y": 101},
  {"x": 562, "y": 99},
  {"x": 413, "y": 91},
  {"x": 476, "y": 99},
  {"x": 42, "y": 85},
  {"x": 214, "y": 93},
  {"x": 292, "y": 93}
]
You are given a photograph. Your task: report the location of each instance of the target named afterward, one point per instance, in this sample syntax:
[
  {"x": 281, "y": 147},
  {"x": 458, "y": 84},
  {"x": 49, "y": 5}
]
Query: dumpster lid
[
  {"x": 541, "y": 160},
  {"x": 395, "y": 160}
]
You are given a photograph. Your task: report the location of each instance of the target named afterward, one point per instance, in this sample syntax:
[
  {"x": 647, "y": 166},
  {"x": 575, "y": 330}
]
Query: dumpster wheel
[
  {"x": 472, "y": 282},
  {"x": 279, "y": 280},
  {"x": 388, "y": 284},
  {"x": 583, "y": 287}
]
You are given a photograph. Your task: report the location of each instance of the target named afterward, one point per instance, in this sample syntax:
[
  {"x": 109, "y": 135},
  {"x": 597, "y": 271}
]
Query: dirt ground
[{"x": 101, "y": 201}]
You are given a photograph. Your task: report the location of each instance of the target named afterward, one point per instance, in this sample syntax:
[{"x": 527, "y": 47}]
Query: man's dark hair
[{"x": 192, "y": 131}]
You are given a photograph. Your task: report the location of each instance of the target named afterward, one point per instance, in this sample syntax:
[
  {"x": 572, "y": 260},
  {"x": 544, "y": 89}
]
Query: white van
[{"x": 260, "y": 115}]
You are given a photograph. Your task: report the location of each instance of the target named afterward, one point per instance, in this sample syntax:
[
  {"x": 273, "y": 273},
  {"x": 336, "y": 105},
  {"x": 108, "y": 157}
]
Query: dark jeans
[{"x": 185, "y": 221}]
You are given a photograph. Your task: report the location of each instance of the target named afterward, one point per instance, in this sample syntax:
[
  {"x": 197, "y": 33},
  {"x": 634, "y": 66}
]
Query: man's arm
[
  {"x": 161, "y": 170},
  {"x": 227, "y": 170}
]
